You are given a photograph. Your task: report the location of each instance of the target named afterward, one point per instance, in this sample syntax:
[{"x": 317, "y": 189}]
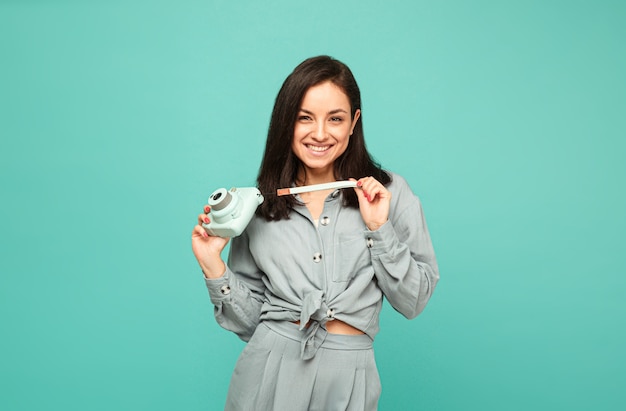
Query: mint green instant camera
[{"x": 232, "y": 210}]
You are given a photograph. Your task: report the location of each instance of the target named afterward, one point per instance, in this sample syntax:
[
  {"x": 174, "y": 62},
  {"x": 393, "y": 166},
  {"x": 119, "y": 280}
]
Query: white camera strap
[{"x": 316, "y": 187}]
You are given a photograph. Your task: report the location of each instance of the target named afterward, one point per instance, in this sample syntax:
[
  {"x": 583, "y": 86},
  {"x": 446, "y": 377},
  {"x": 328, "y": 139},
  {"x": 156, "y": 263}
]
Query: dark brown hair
[{"x": 280, "y": 165}]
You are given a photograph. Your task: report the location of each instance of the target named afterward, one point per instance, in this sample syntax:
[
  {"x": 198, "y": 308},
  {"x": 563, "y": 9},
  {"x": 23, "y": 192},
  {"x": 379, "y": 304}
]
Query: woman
[{"x": 304, "y": 283}]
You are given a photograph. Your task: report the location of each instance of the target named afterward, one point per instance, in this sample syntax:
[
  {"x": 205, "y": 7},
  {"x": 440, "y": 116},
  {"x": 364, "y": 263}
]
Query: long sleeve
[
  {"x": 403, "y": 257},
  {"x": 238, "y": 295}
]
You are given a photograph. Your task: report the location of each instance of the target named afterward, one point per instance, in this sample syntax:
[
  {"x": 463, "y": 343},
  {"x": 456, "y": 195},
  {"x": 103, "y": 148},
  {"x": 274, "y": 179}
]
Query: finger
[
  {"x": 375, "y": 190},
  {"x": 365, "y": 184},
  {"x": 199, "y": 231},
  {"x": 377, "y": 193},
  {"x": 203, "y": 219},
  {"x": 358, "y": 190},
  {"x": 207, "y": 209},
  {"x": 370, "y": 187}
]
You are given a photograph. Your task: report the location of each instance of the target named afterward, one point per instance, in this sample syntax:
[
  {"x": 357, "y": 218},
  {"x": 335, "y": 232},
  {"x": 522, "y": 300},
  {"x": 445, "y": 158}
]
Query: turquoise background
[{"x": 118, "y": 118}]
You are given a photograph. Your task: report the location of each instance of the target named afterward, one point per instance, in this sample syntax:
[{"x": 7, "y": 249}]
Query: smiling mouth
[{"x": 318, "y": 149}]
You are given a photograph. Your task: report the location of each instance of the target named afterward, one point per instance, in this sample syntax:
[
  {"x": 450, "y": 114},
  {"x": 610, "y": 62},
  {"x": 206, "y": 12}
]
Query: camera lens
[{"x": 220, "y": 199}]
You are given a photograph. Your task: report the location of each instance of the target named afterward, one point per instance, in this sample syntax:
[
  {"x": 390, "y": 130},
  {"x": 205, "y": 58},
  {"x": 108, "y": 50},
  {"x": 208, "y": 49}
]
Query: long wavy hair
[{"x": 280, "y": 165}]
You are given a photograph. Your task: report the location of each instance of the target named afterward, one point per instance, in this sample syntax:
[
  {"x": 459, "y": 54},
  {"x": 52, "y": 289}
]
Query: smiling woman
[
  {"x": 305, "y": 281},
  {"x": 310, "y": 88},
  {"x": 322, "y": 132}
]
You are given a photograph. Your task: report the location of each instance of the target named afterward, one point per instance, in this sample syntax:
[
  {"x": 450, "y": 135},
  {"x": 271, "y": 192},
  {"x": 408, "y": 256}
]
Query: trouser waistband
[{"x": 331, "y": 341}]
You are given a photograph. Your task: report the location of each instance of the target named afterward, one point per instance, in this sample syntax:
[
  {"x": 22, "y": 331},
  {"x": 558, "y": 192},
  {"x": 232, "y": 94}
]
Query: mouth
[{"x": 317, "y": 149}]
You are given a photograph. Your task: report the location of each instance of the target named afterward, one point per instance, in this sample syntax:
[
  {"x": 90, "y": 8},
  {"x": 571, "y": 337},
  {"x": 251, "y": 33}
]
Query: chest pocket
[{"x": 352, "y": 257}]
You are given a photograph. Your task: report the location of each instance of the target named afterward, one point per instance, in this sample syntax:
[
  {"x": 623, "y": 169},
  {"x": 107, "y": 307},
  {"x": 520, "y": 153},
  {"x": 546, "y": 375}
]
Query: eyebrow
[{"x": 331, "y": 112}]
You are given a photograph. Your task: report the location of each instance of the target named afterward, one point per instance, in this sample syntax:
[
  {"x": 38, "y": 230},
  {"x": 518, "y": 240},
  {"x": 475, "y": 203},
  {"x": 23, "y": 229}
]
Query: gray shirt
[{"x": 291, "y": 270}]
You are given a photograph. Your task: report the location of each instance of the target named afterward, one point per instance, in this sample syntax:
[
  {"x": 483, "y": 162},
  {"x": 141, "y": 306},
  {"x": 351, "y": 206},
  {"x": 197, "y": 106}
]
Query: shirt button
[
  {"x": 317, "y": 257},
  {"x": 225, "y": 290},
  {"x": 325, "y": 220},
  {"x": 370, "y": 242},
  {"x": 330, "y": 313}
]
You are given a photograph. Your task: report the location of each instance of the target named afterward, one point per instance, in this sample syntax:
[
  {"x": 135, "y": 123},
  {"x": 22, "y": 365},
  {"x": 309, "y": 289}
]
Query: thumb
[{"x": 359, "y": 192}]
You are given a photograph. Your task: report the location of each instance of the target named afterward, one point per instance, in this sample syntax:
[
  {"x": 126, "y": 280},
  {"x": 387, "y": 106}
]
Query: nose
[{"x": 319, "y": 133}]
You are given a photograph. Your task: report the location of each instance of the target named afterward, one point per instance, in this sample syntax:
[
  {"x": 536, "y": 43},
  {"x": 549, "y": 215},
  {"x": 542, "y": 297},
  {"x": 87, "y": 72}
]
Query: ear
[{"x": 357, "y": 114}]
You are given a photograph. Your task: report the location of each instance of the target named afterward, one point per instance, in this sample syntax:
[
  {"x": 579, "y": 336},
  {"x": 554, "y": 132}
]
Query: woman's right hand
[{"x": 208, "y": 248}]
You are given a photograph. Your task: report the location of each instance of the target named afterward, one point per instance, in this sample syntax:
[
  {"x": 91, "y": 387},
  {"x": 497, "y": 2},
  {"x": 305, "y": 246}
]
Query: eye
[
  {"x": 304, "y": 118},
  {"x": 336, "y": 119}
]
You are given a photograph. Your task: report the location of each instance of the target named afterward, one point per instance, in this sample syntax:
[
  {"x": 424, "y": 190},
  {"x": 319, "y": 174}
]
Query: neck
[{"x": 309, "y": 177}]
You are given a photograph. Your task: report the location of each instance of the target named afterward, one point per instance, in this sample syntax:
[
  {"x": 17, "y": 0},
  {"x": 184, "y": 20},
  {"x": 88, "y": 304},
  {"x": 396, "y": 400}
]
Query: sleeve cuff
[
  {"x": 382, "y": 240},
  {"x": 219, "y": 288}
]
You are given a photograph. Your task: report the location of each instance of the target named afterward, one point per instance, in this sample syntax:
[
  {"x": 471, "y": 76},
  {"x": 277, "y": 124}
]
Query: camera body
[{"x": 232, "y": 210}]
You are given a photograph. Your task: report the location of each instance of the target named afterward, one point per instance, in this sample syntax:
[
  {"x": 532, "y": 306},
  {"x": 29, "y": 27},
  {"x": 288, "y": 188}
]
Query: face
[{"x": 323, "y": 129}]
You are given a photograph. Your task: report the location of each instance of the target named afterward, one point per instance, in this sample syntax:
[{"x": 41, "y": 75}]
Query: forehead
[{"x": 326, "y": 94}]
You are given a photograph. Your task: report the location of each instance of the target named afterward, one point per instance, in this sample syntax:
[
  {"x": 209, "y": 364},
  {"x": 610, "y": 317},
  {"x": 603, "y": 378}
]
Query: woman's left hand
[{"x": 374, "y": 200}]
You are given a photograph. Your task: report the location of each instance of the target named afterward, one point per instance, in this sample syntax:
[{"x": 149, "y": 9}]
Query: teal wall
[{"x": 117, "y": 119}]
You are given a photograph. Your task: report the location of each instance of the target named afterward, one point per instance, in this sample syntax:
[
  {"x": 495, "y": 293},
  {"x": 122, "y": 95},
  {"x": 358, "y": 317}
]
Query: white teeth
[{"x": 317, "y": 148}]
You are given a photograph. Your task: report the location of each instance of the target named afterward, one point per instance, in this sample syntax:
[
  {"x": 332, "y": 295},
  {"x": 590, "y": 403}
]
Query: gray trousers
[{"x": 271, "y": 375}]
